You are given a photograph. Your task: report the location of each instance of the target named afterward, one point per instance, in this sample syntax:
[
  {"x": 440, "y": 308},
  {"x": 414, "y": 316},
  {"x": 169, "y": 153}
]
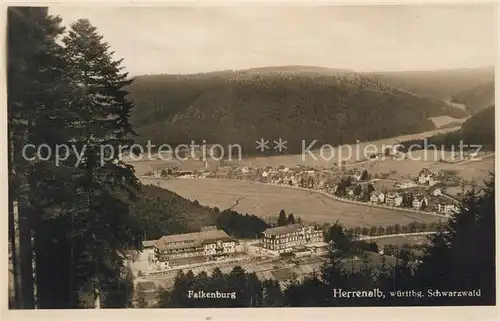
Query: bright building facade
[
  {"x": 190, "y": 248},
  {"x": 284, "y": 238}
]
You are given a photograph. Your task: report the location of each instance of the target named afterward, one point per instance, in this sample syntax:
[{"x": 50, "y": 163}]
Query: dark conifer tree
[
  {"x": 103, "y": 184},
  {"x": 272, "y": 294},
  {"x": 237, "y": 281},
  {"x": 36, "y": 100},
  {"x": 282, "y": 220},
  {"x": 333, "y": 275},
  {"x": 254, "y": 290},
  {"x": 462, "y": 253}
]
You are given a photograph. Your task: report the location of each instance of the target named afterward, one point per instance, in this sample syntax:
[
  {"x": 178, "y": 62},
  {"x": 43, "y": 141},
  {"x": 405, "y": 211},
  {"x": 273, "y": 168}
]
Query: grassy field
[
  {"x": 441, "y": 121},
  {"x": 267, "y": 200},
  {"x": 408, "y": 168},
  {"x": 401, "y": 240}
]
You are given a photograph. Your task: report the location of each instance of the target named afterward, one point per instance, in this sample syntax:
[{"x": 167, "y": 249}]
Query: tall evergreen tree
[
  {"x": 333, "y": 275},
  {"x": 462, "y": 253},
  {"x": 103, "y": 184},
  {"x": 282, "y": 220},
  {"x": 36, "y": 85},
  {"x": 272, "y": 294},
  {"x": 341, "y": 240},
  {"x": 237, "y": 280}
]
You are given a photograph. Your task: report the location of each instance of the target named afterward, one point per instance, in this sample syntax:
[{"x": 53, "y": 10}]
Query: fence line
[{"x": 366, "y": 237}]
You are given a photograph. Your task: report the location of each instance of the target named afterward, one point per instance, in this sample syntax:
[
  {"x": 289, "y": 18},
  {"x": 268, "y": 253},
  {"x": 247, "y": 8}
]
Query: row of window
[
  {"x": 181, "y": 255},
  {"x": 225, "y": 244},
  {"x": 281, "y": 241},
  {"x": 281, "y": 236},
  {"x": 290, "y": 242},
  {"x": 278, "y": 247},
  {"x": 225, "y": 250},
  {"x": 183, "y": 250},
  {"x": 180, "y": 242}
]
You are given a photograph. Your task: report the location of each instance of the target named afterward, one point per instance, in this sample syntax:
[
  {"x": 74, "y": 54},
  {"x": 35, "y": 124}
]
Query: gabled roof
[
  {"x": 149, "y": 243},
  {"x": 392, "y": 195},
  {"x": 444, "y": 200},
  {"x": 197, "y": 238},
  {"x": 283, "y": 229},
  {"x": 426, "y": 171},
  {"x": 419, "y": 198}
]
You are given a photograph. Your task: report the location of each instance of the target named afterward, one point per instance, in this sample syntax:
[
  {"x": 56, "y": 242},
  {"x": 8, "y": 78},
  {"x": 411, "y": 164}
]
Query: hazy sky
[{"x": 362, "y": 38}]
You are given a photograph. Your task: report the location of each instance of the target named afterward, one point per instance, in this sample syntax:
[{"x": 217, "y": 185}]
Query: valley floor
[{"x": 267, "y": 200}]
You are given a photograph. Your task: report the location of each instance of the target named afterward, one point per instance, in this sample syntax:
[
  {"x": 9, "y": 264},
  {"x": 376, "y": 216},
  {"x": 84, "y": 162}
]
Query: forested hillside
[
  {"x": 477, "y": 98},
  {"x": 329, "y": 105},
  {"x": 477, "y": 130},
  {"x": 162, "y": 212},
  {"x": 442, "y": 84}
]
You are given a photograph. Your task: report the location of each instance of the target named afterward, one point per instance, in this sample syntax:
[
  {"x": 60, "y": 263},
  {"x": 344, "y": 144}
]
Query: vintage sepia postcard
[{"x": 270, "y": 155}]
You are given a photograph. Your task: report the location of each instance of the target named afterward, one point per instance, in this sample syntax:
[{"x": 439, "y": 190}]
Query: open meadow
[
  {"x": 402, "y": 240},
  {"x": 477, "y": 170},
  {"x": 267, "y": 200},
  {"x": 441, "y": 121}
]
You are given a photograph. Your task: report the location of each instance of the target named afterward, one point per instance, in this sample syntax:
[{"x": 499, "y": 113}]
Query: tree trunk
[
  {"x": 14, "y": 228},
  {"x": 25, "y": 221},
  {"x": 26, "y": 256},
  {"x": 97, "y": 287},
  {"x": 14, "y": 243}
]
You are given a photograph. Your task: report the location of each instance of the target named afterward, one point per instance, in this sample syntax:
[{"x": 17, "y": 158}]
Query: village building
[
  {"x": 357, "y": 175},
  {"x": 285, "y": 238},
  {"x": 435, "y": 191},
  {"x": 190, "y": 248},
  {"x": 393, "y": 150},
  {"x": 423, "y": 178},
  {"x": 381, "y": 197},
  {"x": 374, "y": 197},
  {"x": 427, "y": 176},
  {"x": 406, "y": 184},
  {"x": 393, "y": 199},
  {"x": 419, "y": 201},
  {"x": 445, "y": 205},
  {"x": 432, "y": 181},
  {"x": 157, "y": 173},
  {"x": 147, "y": 245},
  {"x": 185, "y": 173}
]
